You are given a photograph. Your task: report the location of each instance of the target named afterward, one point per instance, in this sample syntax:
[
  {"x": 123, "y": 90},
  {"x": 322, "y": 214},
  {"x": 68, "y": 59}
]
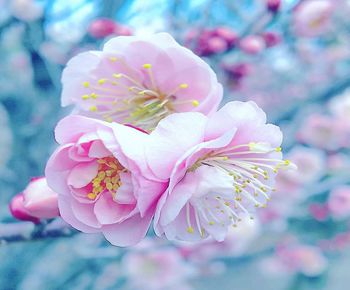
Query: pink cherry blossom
[
  {"x": 140, "y": 80},
  {"x": 97, "y": 172},
  {"x": 305, "y": 259},
  {"x": 252, "y": 44},
  {"x": 220, "y": 168},
  {"x": 156, "y": 269},
  {"x": 313, "y": 18},
  {"x": 339, "y": 202},
  {"x": 102, "y": 27},
  {"x": 324, "y": 132},
  {"x": 39, "y": 199},
  {"x": 311, "y": 165},
  {"x": 236, "y": 243}
]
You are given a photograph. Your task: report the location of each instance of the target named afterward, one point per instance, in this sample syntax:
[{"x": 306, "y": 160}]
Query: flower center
[
  {"x": 250, "y": 170},
  {"x": 122, "y": 96},
  {"x": 107, "y": 177}
]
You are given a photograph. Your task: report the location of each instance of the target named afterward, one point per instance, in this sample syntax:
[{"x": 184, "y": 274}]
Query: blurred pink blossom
[
  {"x": 157, "y": 269},
  {"x": 339, "y": 202},
  {"x": 252, "y": 44},
  {"x": 305, "y": 259},
  {"x": 324, "y": 132},
  {"x": 26, "y": 10},
  {"x": 313, "y": 18}
]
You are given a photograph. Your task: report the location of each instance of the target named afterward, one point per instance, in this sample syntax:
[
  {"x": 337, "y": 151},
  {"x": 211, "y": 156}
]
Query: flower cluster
[{"x": 146, "y": 141}]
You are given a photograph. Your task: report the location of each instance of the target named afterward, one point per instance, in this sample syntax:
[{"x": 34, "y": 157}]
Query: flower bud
[
  {"x": 18, "y": 210},
  {"x": 39, "y": 200},
  {"x": 102, "y": 27},
  {"x": 273, "y": 5}
]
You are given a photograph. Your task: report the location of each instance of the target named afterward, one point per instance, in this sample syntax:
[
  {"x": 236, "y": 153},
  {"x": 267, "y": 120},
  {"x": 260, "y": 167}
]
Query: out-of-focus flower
[
  {"x": 324, "y": 132},
  {"x": 305, "y": 259},
  {"x": 252, "y": 44},
  {"x": 273, "y": 5},
  {"x": 18, "y": 210},
  {"x": 313, "y": 18},
  {"x": 319, "y": 211},
  {"x": 339, "y": 202},
  {"x": 121, "y": 84},
  {"x": 98, "y": 174},
  {"x": 224, "y": 169},
  {"x": 103, "y": 27},
  {"x": 212, "y": 41},
  {"x": 340, "y": 106},
  {"x": 311, "y": 165},
  {"x": 26, "y": 10},
  {"x": 237, "y": 71},
  {"x": 156, "y": 269},
  {"x": 238, "y": 240},
  {"x": 39, "y": 200},
  {"x": 271, "y": 38}
]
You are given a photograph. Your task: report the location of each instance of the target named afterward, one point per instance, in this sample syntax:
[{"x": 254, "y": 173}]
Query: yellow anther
[
  {"x": 286, "y": 162},
  {"x": 211, "y": 223},
  {"x": 195, "y": 103},
  {"x": 257, "y": 205},
  {"x": 91, "y": 195},
  {"x": 85, "y": 97},
  {"x": 227, "y": 203},
  {"x": 113, "y": 59},
  {"x": 117, "y": 76},
  {"x": 101, "y": 81},
  {"x": 147, "y": 65},
  {"x": 109, "y": 186},
  {"x": 86, "y": 84},
  {"x": 183, "y": 86},
  {"x": 278, "y": 149},
  {"x": 93, "y": 95},
  {"x": 225, "y": 158},
  {"x": 234, "y": 226},
  {"x": 190, "y": 230},
  {"x": 93, "y": 108}
]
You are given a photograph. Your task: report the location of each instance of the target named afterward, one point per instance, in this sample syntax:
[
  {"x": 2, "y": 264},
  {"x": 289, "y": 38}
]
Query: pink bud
[
  {"x": 102, "y": 27},
  {"x": 122, "y": 30},
  {"x": 226, "y": 33},
  {"x": 217, "y": 44},
  {"x": 18, "y": 210},
  {"x": 39, "y": 200},
  {"x": 271, "y": 39},
  {"x": 273, "y": 5},
  {"x": 252, "y": 44}
]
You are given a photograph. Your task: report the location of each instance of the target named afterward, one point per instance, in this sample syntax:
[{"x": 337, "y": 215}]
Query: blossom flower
[
  {"x": 305, "y": 259},
  {"x": 324, "y": 132},
  {"x": 340, "y": 106},
  {"x": 313, "y": 18},
  {"x": 97, "y": 172},
  {"x": 339, "y": 202},
  {"x": 236, "y": 243},
  {"x": 26, "y": 10},
  {"x": 219, "y": 169},
  {"x": 39, "y": 200},
  {"x": 311, "y": 165},
  {"x": 140, "y": 80},
  {"x": 156, "y": 269},
  {"x": 252, "y": 44}
]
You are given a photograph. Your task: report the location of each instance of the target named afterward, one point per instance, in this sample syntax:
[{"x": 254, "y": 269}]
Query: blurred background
[{"x": 292, "y": 57}]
